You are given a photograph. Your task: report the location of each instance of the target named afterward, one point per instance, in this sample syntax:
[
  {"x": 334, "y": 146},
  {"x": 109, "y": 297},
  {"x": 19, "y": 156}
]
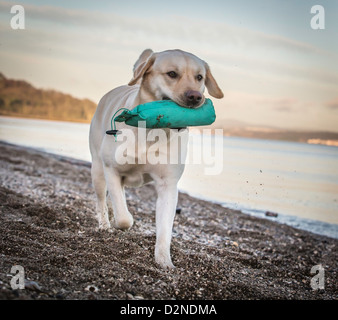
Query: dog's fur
[{"x": 153, "y": 80}]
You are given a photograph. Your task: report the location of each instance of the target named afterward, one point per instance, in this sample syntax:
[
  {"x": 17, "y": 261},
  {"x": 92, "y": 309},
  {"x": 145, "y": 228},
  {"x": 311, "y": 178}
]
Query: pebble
[
  {"x": 32, "y": 285},
  {"x": 271, "y": 214},
  {"x": 129, "y": 296},
  {"x": 91, "y": 288}
]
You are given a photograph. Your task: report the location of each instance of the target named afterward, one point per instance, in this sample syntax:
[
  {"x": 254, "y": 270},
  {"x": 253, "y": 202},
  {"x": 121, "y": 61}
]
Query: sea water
[{"x": 297, "y": 181}]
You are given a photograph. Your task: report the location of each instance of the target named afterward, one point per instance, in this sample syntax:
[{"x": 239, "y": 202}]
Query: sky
[{"x": 274, "y": 69}]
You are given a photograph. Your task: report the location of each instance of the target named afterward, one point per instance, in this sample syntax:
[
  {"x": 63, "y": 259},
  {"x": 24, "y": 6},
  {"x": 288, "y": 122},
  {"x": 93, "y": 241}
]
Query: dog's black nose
[{"x": 193, "y": 97}]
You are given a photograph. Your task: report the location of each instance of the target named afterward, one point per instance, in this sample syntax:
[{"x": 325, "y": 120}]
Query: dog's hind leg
[{"x": 100, "y": 187}]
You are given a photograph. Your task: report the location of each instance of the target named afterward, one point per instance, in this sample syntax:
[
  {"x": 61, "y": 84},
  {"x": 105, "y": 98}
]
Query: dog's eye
[
  {"x": 199, "y": 77},
  {"x": 172, "y": 74}
]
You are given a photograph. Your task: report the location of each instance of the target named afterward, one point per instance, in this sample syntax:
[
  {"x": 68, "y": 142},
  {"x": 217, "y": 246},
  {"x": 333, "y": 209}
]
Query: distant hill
[{"x": 19, "y": 98}]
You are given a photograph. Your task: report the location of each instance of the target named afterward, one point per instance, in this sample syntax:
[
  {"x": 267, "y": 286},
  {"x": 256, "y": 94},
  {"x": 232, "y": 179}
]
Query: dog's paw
[
  {"x": 124, "y": 223},
  {"x": 104, "y": 226},
  {"x": 166, "y": 264},
  {"x": 164, "y": 261}
]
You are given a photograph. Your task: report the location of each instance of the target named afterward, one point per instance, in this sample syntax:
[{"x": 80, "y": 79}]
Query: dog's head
[{"x": 175, "y": 75}]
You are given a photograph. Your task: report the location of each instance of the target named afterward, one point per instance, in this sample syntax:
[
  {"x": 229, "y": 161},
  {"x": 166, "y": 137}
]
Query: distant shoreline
[
  {"x": 263, "y": 135},
  {"x": 331, "y": 143},
  {"x": 42, "y": 118}
]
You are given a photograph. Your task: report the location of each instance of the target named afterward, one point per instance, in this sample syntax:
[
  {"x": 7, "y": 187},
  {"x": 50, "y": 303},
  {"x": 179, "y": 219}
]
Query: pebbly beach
[{"x": 48, "y": 226}]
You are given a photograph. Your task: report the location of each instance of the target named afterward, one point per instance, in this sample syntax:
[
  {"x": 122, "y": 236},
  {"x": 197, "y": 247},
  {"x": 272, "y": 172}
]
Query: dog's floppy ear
[
  {"x": 212, "y": 85},
  {"x": 142, "y": 58},
  {"x": 144, "y": 62}
]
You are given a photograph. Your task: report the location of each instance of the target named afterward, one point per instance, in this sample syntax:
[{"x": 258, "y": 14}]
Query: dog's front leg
[
  {"x": 123, "y": 218},
  {"x": 167, "y": 194}
]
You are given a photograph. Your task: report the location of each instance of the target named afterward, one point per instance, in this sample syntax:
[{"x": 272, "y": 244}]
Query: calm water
[{"x": 297, "y": 181}]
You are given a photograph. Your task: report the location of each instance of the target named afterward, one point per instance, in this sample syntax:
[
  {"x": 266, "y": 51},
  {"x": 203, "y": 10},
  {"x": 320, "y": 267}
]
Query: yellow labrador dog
[{"x": 176, "y": 75}]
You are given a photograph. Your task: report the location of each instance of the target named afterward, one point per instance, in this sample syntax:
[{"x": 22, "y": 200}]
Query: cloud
[
  {"x": 261, "y": 101},
  {"x": 178, "y": 27},
  {"x": 257, "y": 53},
  {"x": 55, "y": 14},
  {"x": 285, "y": 104},
  {"x": 332, "y": 104}
]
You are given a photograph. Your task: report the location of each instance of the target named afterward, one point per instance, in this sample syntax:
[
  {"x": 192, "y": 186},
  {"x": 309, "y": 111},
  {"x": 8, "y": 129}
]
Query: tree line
[{"x": 19, "y": 98}]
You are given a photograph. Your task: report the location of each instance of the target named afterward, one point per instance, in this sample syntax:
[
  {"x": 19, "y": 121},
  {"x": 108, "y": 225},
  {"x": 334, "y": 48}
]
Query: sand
[{"x": 48, "y": 226}]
